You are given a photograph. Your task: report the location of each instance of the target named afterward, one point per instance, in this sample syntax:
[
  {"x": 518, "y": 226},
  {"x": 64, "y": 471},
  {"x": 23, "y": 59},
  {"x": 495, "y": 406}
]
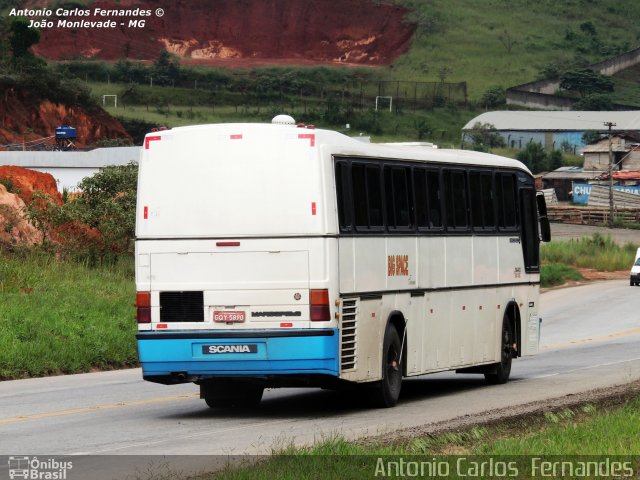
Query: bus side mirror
[{"x": 545, "y": 227}]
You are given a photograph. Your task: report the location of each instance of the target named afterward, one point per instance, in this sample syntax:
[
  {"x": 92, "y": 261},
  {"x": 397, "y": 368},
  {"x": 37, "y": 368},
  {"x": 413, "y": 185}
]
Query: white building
[{"x": 70, "y": 167}]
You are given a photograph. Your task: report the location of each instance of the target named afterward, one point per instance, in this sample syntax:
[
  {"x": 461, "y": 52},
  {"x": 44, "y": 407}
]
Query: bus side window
[
  {"x": 482, "y": 205},
  {"x": 456, "y": 199},
  {"x": 359, "y": 190},
  {"x": 398, "y": 198},
  {"x": 426, "y": 185},
  {"x": 435, "y": 199},
  {"x": 422, "y": 204},
  {"x": 343, "y": 200},
  {"x": 507, "y": 203},
  {"x": 367, "y": 196},
  {"x": 374, "y": 196}
]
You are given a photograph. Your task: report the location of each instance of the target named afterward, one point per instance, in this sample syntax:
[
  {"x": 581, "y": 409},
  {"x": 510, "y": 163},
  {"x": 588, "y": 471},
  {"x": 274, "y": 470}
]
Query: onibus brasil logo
[{"x": 35, "y": 469}]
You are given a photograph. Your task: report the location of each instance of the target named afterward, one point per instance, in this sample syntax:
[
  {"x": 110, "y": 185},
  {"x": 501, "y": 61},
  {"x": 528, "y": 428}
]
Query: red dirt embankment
[
  {"x": 14, "y": 226},
  {"x": 24, "y": 117},
  {"x": 235, "y": 32},
  {"x": 27, "y": 181}
]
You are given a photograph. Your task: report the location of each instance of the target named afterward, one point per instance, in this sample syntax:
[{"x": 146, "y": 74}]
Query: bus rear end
[{"x": 232, "y": 261}]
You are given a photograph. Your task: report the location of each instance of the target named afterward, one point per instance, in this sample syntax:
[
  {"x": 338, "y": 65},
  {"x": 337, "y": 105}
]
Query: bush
[
  {"x": 493, "y": 97},
  {"x": 107, "y": 206},
  {"x": 594, "y": 102},
  {"x": 484, "y": 136},
  {"x": 557, "y": 274},
  {"x": 599, "y": 252}
]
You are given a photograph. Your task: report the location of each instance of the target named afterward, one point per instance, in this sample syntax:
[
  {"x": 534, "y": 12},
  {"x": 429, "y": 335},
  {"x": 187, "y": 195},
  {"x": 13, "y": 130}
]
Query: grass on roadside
[
  {"x": 63, "y": 317},
  {"x": 589, "y": 429},
  {"x": 557, "y": 274},
  {"x": 599, "y": 252}
]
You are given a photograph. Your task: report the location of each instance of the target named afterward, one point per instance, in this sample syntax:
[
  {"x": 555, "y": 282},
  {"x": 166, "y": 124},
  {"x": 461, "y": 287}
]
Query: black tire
[
  {"x": 234, "y": 396},
  {"x": 385, "y": 393},
  {"x": 500, "y": 374}
]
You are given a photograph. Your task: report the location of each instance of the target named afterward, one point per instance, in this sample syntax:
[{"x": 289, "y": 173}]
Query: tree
[
  {"x": 594, "y": 102},
  {"x": 484, "y": 136},
  {"x": 166, "y": 69},
  {"x": 549, "y": 71},
  {"x": 22, "y": 37},
  {"x": 554, "y": 159},
  {"x": 493, "y": 97},
  {"x": 585, "y": 81},
  {"x": 507, "y": 41},
  {"x": 108, "y": 204},
  {"x": 591, "y": 136},
  {"x": 533, "y": 156},
  {"x": 422, "y": 128}
]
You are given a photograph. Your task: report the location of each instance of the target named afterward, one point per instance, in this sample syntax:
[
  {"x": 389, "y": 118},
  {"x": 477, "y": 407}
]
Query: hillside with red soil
[
  {"x": 24, "y": 117},
  {"x": 15, "y": 227},
  {"x": 27, "y": 181},
  {"x": 240, "y": 32}
]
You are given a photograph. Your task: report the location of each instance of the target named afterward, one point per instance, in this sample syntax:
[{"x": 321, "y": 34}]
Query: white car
[{"x": 634, "y": 275}]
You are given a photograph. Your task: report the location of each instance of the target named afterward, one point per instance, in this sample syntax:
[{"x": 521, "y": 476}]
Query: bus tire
[
  {"x": 385, "y": 393},
  {"x": 238, "y": 395},
  {"x": 500, "y": 374}
]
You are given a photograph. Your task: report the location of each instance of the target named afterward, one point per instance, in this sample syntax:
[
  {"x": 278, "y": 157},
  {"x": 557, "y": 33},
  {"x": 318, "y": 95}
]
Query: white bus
[{"x": 282, "y": 255}]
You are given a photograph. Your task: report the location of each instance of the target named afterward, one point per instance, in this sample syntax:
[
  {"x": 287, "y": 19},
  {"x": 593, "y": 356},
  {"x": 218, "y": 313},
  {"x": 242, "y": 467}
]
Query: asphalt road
[{"x": 591, "y": 339}]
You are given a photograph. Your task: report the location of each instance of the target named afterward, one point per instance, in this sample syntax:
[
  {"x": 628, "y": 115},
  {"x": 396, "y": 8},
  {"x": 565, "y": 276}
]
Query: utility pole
[{"x": 609, "y": 125}]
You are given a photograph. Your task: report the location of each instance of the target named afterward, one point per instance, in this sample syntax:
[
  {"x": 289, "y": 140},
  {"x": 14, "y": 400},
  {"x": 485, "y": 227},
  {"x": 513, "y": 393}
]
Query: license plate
[
  {"x": 229, "y": 316},
  {"x": 228, "y": 348}
]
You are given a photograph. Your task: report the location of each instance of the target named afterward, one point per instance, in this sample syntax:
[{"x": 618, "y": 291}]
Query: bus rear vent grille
[
  {"x": 348, "y": 334},
  {"x": 181, "y": 307}
]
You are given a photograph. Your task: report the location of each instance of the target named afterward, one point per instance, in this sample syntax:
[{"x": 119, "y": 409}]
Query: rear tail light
[
  {"x": 319, "y": 305},
  {"x": 143, "y": 307}
]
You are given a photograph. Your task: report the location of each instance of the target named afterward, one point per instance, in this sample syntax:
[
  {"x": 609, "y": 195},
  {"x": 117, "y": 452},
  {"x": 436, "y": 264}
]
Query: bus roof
[{"x": 343, "y": 145}]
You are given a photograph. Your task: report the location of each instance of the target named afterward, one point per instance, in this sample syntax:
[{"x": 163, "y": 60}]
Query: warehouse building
[{"x": 554, "y": 130}]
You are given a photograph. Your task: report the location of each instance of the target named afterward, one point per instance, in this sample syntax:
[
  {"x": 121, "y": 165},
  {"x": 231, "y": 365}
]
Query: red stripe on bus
[
  {"x": 150, "y": 139},
  {"x": 237, "y": 136},
  {"x": 308, "y": 136},
  {"x": 146, "y": 213},
  {"x": 313, "y": 208}
]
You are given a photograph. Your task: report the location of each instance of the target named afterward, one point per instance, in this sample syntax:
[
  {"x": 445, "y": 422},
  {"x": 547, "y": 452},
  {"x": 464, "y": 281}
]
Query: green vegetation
[
  {"x": 58, "y": 316},
  {"x": 66, "y": 305},
  {"x": 505, "y": 43},
  {"x": 490, "y": 46},
  {"x": 557, "y": 274},
  {"x": 99, "y": 225},
  {"x": 619, "y": 222},
  {"x": 34, "y": 80},
  {"x": 582, "y": 430},
  {"x": 108, "y": 204},
  {"x": 537, "y": 159},
  {"x": 598, "y": 252}
]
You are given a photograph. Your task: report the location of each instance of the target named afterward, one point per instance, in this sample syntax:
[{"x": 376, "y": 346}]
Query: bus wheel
[
  {"x": 228, "y": 395},
  {"x": 503, "y": 368},
  {"x": 386, "y": 392}
]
